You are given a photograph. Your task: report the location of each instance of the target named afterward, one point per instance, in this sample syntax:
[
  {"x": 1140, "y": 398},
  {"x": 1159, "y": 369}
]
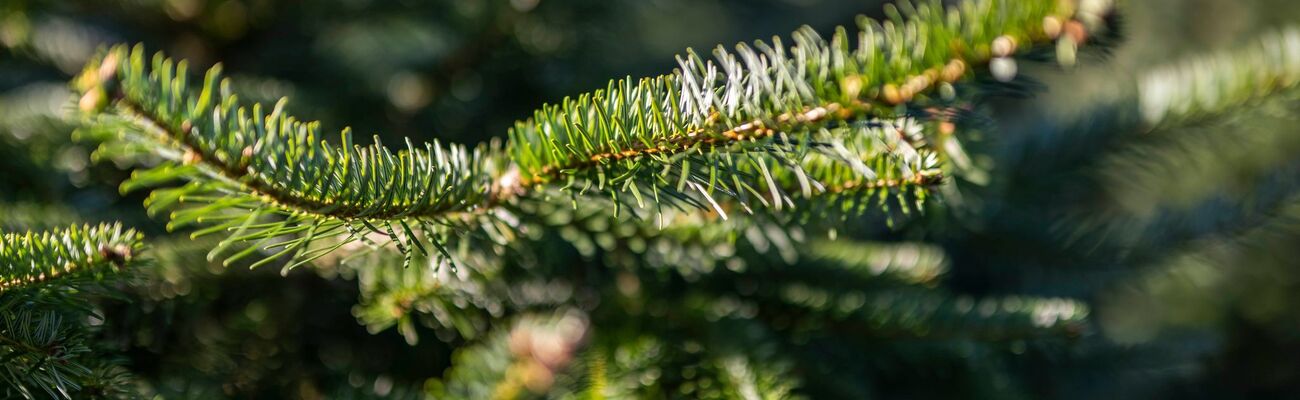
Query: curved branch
[{"x": 748, "y": 125}]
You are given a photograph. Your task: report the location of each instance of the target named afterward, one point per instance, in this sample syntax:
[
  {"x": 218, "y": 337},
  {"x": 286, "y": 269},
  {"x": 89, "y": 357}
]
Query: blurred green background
[{"x": 1184, "y": 243}]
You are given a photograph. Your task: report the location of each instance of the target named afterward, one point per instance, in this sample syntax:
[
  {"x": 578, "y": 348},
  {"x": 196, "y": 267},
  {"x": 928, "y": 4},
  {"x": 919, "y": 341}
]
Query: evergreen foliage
[
  {"x": 761, "y": 223},
  {"x": 681, "y": 138},
  {"x": 33, "y": 259},
  {"x": 44, "y": 301}
]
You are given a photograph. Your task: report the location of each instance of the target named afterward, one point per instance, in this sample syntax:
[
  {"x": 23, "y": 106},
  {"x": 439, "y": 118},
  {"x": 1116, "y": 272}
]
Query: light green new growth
[{"x": 36, "y": 258}]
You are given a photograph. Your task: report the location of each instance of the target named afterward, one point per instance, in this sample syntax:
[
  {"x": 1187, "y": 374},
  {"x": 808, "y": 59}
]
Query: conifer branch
[
  {"x": 1214, "y": 122},
  {"x": 751, "y": 131},
  {"x": 817, "y": 118},
  {"x": 256, "y": 151},
  {"x": 37, "y": 258},
  {"x": 43, "y": 345},
  {"x": 1209, "y": 84},
  {"x": 195, "y": 153},
  {"x": 42, "y": 353},
  {"x": 750, "y": 95}
]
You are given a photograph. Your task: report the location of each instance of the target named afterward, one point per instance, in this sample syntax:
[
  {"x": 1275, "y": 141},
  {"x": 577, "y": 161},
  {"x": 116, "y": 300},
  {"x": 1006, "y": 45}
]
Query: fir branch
[
  {"x": 46, "y": 348},
  {"x": 887, "y": 291},
  {"x": 1215, "y": 124},
  {"x": 336, "y": 206},
  {"x": 748, "y": 96},
  {"x": 243, "y": 164},
  {"x": 816, "y": 118},
  {"x": 1212, "y": 83},
  {"x": 34, "y": 259},
  {"x": 903, "y": 314},
  {"x": 41, "y": 353},
  {"x": 751, "y": 131}
]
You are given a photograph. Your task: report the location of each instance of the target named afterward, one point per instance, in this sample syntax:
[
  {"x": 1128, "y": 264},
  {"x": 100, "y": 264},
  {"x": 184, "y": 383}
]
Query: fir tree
[{"x": 806, "y": 216}]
